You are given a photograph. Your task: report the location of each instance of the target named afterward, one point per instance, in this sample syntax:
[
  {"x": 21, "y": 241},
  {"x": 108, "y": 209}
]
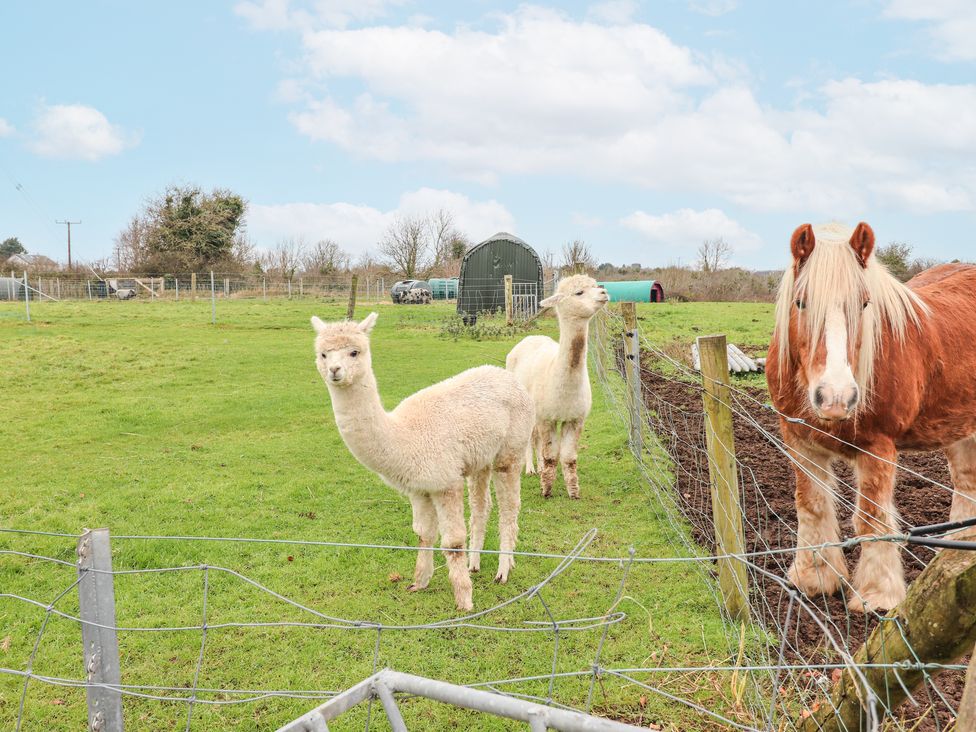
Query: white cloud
[
  {"x": 681, "y": 232},
  {"x": 358, "y": 228},
  {"x": 77, "y": 132},
  {"x": 286, "y": 15},
  {"x": 6, "y": 129},
  {"x": 543, "y": 93},
  {"x": 614, "y": 12},
  {"x": 951, "y": 24}
]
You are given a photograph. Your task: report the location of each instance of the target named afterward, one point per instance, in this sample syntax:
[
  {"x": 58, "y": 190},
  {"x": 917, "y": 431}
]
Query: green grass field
[{"x": 144, "y": 418}]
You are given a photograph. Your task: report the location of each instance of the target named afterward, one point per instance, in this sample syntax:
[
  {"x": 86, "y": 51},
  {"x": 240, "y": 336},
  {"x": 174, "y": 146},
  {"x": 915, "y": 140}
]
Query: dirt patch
[{"x": 675, "y": 412}]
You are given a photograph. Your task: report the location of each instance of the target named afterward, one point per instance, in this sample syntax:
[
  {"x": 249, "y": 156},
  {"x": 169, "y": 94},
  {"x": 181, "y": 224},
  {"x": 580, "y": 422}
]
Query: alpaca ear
[
  {"x": 802, "y": 243},
  {"x": 368, "y": 322},
  {"x": 862, "y": 242},
  {"x": 550, "y": 302},
  {"x": 318, "y": 324}
]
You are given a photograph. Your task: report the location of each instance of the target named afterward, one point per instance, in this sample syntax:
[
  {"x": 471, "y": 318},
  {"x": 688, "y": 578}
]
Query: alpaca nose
[
  {"x": 835, "y": 402},
  {"x": 334, "y": 370}
]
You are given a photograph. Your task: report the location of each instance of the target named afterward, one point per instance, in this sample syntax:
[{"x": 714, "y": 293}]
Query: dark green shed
[{"x": 483, "y": 270}]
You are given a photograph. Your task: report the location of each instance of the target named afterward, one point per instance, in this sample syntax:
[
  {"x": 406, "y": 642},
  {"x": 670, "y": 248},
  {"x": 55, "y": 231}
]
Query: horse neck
[{"x": 367, "y": 429}]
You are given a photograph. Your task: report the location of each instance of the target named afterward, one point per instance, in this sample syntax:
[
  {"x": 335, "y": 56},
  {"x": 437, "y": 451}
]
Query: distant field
[{"x": 145, "y": 418}]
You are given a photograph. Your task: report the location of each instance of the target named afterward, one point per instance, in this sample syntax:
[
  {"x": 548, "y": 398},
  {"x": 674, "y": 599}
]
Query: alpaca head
[
  {"x": 578, "y": 297},
  {"x": 342, "y": 350}
]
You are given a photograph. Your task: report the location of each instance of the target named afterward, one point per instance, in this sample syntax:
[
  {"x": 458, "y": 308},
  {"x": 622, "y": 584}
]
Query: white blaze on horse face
[{"x": 834, "y": 395}]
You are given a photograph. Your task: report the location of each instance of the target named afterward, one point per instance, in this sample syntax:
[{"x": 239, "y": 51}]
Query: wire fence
[
  {"x": 779, "y": 665},
  {"x": 796, "y": 638}
]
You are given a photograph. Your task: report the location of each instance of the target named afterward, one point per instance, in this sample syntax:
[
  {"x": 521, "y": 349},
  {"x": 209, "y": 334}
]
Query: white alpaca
[
  {"x": 418, "y": 452},
  {"x": 555, "y": 375}
]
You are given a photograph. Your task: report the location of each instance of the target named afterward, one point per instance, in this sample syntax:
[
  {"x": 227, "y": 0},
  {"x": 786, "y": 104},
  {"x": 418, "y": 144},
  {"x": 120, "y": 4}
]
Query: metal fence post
[
  {"x": 509, "y": 308},
  {"x": 264, "y": 287},
  {"x": 177, "y": 289},
  {"x": 27, "y": 295},
  {"x": 213, "y": 299},
  {"x": 193, "y": 286},
  {"x": 96, "y": 604},
  {"x": 723, "y": 474},
  {"x": 289, "y": 288},
  {"x": 351, "y": 308},
  {"x": 635, "y": 402},
  {"x": 88, "y": 282}
]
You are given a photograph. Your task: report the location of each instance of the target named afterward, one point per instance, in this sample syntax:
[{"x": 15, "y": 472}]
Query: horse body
[{"x": 920, "y": 394}]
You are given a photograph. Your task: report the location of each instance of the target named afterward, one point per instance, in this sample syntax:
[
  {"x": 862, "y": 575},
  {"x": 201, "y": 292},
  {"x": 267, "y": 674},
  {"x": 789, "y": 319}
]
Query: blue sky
[{"x": 640, "y": 127}]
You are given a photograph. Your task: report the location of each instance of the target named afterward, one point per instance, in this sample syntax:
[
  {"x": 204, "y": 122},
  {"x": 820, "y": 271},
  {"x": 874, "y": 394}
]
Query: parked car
[{"x": 411, "y": 291}]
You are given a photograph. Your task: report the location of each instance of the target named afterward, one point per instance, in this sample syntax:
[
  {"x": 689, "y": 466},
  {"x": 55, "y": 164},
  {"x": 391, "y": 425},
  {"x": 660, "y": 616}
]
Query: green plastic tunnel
[{"x": 634, "y": 291}]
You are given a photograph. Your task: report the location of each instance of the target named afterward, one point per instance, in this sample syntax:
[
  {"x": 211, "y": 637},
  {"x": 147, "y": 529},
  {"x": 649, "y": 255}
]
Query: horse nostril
[
  {"x": 852, "y": 401},
  {"x": 818, "y": 397}
]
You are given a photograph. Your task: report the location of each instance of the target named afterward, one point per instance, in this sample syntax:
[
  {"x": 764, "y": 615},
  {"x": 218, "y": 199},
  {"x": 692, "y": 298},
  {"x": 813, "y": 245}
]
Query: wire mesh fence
[{"x": 775, "y": 671}]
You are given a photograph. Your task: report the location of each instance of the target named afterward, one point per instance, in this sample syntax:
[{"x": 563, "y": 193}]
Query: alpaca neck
[
  {"x": 365, "y": 426},
  {"x": 573, "y": 337}
]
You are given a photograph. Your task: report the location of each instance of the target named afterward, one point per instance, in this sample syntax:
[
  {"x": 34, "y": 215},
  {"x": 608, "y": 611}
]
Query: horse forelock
[{"x": 832, "y": 274}]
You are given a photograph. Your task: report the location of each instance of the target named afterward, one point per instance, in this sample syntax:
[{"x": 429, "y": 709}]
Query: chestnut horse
[{"x": 872, "y": 366}]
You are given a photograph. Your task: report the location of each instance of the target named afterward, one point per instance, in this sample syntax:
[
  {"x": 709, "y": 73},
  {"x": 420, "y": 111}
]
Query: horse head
[{"x": 835, "y": 307}]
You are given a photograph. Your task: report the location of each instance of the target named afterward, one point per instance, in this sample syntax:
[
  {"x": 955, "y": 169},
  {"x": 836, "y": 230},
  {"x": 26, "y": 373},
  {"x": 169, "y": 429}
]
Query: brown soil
[{"x": 675, "y": 412}]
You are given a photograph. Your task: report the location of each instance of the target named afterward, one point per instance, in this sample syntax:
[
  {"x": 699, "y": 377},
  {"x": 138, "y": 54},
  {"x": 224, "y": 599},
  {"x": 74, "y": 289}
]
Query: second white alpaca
[
  {"x": 555, "y": 375},
  {"x": 417, "y": 451}
]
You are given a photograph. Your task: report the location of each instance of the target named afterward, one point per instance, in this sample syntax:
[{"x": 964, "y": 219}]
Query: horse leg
[
  {"x": 425, "y": 526},
  {"x": 879, "y": 580},
  {"x": 816, "y": 571},
  {"x": 508, "y": 489},
  {"x": 550, "y": 456},
  {"x": 962, "y": 468},
  {"x": 450, "y": 520},
  {"x": 479, "y": 498},
  {"x": 568, "y": 446}
]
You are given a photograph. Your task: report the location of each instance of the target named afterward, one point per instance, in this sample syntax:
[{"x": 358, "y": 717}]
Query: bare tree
[
  {"x": 577, "y": 257},
  {"x": 325, "y": 257},
  {"x": 713, "y": 255},
  {"x": 286, "y": 257},
  {"x": 406, "y": 246}
]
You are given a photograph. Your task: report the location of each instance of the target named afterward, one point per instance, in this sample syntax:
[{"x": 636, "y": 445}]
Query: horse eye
[
  {"x": 800, "y": 304},
  {"x": 354, "y": 353}
]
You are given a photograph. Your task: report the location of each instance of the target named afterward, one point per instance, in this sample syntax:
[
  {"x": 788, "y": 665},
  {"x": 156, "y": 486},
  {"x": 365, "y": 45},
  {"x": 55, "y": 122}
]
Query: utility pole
[{"x": 69, "y": 223}]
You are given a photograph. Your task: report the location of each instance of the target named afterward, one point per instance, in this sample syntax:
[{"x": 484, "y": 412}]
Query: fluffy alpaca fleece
[
  {"x": 426, "y": 457},
  {"x": 555, "y": 375}
]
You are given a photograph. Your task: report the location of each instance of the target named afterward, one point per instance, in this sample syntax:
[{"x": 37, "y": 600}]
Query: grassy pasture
[{"x": 145, "y": 418}]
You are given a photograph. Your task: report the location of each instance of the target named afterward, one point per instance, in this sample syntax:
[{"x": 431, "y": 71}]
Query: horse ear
[
  {"x": 802, "y": 243},
  {"x": 862, "y": 242}
]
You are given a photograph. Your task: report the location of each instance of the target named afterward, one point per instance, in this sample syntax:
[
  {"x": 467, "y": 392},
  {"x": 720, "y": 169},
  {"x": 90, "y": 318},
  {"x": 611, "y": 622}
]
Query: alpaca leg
[
  {"x": 568, "y": 446},
  {"x": 962, "y": 467},
  {"x": 529, "y": 450},
  {"x": 816, "y": 571},
  {"x": 450, "y": 520},
  {"x": 425, "y": 526},
  {"x": 479, "y": 498},
  {"x": 549, "y": 438},
  {"x": 508, "y": 488},
  {"x": 879, "y": 579}
]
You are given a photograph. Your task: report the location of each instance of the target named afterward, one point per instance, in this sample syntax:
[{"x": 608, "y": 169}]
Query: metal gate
[{"x": 525, "y": 300}]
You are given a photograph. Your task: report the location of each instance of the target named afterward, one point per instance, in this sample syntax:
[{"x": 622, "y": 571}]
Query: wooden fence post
[
  {"x": 509, "y": 305},
  {"x": 193, "y": 286},
  {"x": 967, "y": 707},
  {"x": 635, "y": 401},
  {"x": 723, "y": 475},
  {"x": 935, "y": 624},
  {"x": 351, "y": 309}
]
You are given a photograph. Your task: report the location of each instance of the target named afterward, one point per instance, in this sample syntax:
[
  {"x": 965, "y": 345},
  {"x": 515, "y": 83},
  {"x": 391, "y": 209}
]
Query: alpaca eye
[
  {"x": 866, "y": 303},
  {"x": 800, "y": 304},
  {"x": 580, "y": 292},
  {"x": 354, "y": 353},
  {"x": 324, "y": 355}
]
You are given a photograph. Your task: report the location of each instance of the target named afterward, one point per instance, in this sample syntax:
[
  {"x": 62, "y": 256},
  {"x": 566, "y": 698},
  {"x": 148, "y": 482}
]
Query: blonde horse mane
[{"x": 834, "y": 273}]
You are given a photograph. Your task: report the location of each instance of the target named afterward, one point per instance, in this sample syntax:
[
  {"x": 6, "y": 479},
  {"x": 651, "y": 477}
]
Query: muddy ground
[{"x": 675, "y": 410}]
